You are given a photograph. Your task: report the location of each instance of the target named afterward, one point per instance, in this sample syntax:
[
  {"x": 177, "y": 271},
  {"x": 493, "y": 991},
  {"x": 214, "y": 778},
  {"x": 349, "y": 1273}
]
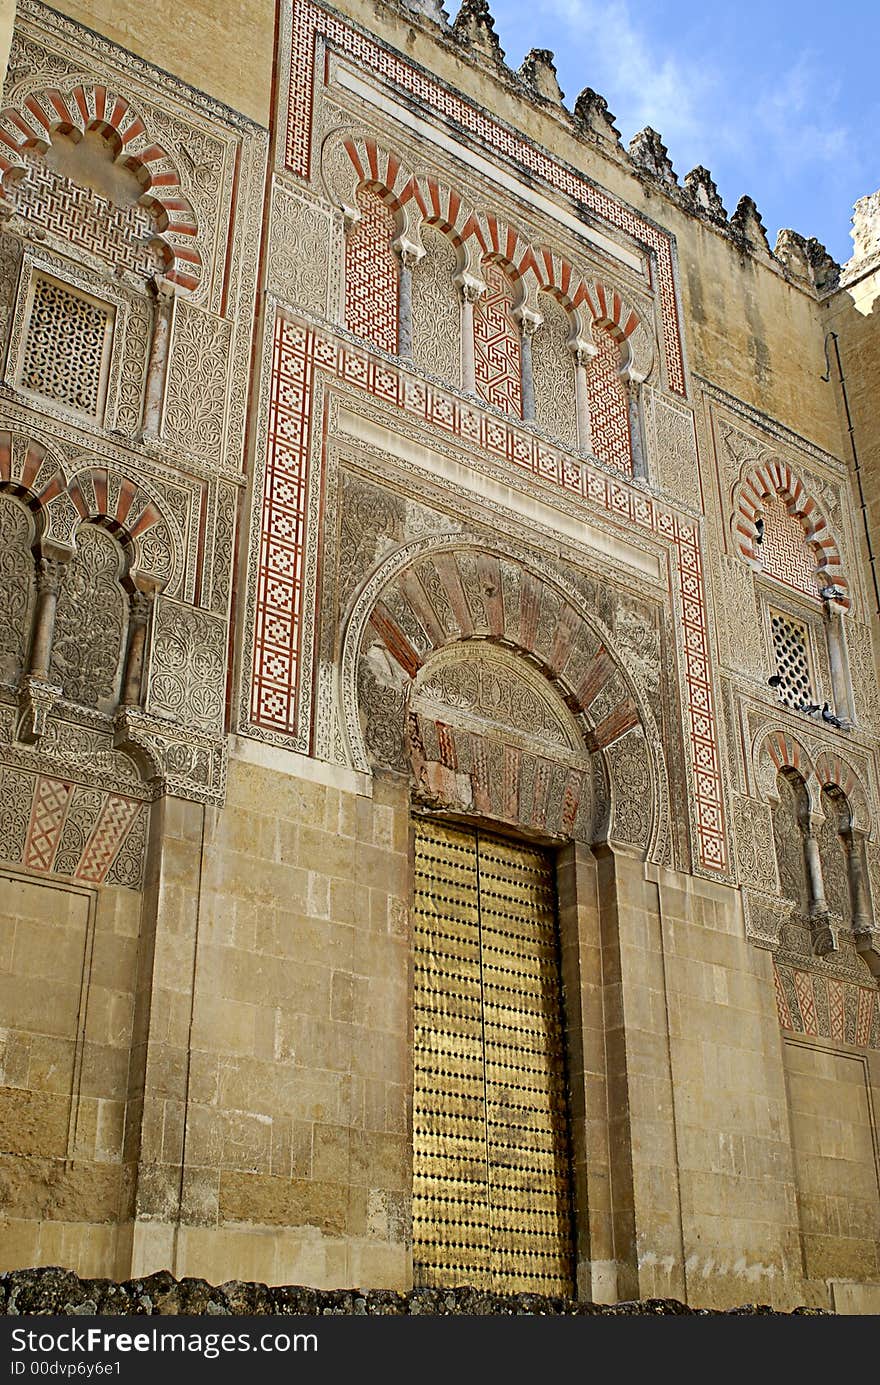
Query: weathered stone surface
[{"x": 61, "y": 1292}]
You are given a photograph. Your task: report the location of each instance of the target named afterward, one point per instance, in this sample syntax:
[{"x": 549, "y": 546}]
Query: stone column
[
  {"x": 50, "y": 573},
  {"x": 854, "y": 843},
  {"x": 841, "y": 683},
  {"x": 582, "y": 352},
  {"x": 865, "y": 930},
  {"x": 157, "y": 366},
  {"x": 820, "y": 915},
  {"x": 471, "y": 289},
  {"x": 409, "y": 254},
  {"x": 140, "y": 607},
  {"x": 529, "y": 322},
  {"x": 636, "y": 432},
  {"x": 37, "y": 695}
]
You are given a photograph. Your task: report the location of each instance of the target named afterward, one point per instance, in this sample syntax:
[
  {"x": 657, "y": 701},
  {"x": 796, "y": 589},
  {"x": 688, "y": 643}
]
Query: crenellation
[{"x": 650, "y": 156}]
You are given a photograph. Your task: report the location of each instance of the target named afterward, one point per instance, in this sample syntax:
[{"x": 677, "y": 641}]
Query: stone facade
[{"x": 367, "y": 456}]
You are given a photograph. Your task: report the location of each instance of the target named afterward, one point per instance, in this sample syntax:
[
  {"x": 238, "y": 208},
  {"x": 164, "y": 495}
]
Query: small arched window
[
  {"x": 372, "y": 274},
  {"x": 497, "y": 341},
  {"x": 609, "y": 406}
]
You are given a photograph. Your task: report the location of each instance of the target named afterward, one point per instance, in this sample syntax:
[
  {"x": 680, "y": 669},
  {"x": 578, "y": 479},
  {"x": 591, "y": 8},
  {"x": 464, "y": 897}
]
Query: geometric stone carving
[
  {"x": 57, "y": 826},
  {"x": 91, "y": 621},
  {"x": 371, "y": 274},
  {"x": 827, "y": 1007},
  {"x": 66, "y": 347},
  {"x": 497, "y": 348},
  {"x": 609, "y": 410},
  {"x": 113, "y": 229},
  {"x": 187, "y": 679}
]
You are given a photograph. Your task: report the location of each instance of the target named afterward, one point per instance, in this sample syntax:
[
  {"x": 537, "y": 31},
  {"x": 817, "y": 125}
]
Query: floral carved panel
[
  {"x": 16, "y": 586},
  {"x": 91, "y": 621},
  {"x": 187, "y": 678}
]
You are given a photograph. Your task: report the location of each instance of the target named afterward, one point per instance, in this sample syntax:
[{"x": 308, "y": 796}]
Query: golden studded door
[{"x": 491, "y": 1181}]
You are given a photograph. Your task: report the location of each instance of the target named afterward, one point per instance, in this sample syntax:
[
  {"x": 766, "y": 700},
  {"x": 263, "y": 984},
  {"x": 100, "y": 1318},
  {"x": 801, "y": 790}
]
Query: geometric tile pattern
[
  {"x": 497, "y": 355},
  {"x": 47, "y": 818},
  {"x": 279, "y": 577},
  {"x": 609, "y": 412},
  {"x": 118, "y": 235},
  {"x": 826, "y": 1007},
  {"x": 297, "y": 350},
  {"x": 784, "y": 552},
  {"x": 309, "y": 22},
  {"x": 108, "y": 834},
  {"x": 83, "y": 830},
  {"x": 371, "y": 274}
]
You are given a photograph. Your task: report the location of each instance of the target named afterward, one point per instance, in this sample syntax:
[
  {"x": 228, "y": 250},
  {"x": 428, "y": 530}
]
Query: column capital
[
  {"x": 471, "y": 287},
  {"x": 582, "y": 351},
  {"x": 50, "y": 573},
  {"x": 140, "y": 606},
  {"x": 410, "y": 253},
  {"x": 528, "y": 319}
]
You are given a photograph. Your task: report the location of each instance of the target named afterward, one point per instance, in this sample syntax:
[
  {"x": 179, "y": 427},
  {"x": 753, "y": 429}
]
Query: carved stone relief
[
  {"x": 832, "y": 852},
  {"x": 16, "y": 586},
  {"x": 300, "y": 249},
  {"x": 740, "y": 628},
  {"x": 864, "y": 681},
  {"x": 480, "y": 685},
  {"x": 198, "y": 369},
  {"x": 553, "y": 372},
  {"x": 436, "y": 308},
  {"x": 788, "y": 813},
  {"x": 755, "y": 855},
  {"x": 672, "y": 448},
  {"x": 91, "y": 621},
  {"x": 631, "y": 788},
  {"x": 186, "y": 681},
  {"x": 63, "y": 827}
]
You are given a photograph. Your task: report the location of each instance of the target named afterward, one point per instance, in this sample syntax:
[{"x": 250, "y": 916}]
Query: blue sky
[{"x": 779, "y": 100}]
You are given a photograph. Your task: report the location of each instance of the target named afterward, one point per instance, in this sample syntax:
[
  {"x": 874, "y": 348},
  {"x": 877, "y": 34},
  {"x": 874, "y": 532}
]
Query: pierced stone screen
[
  {"x": 792, "y": 661},
  {"x": 66, "y": 347}
]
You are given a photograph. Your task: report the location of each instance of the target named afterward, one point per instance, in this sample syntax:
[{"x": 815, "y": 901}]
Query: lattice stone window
[
  {"x": 791, "y": 645},
  {"x": 66, "y": 350}
]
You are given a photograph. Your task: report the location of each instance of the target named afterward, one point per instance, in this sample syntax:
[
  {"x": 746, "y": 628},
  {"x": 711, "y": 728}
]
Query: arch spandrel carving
[{"x": 491, "y": 614}]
